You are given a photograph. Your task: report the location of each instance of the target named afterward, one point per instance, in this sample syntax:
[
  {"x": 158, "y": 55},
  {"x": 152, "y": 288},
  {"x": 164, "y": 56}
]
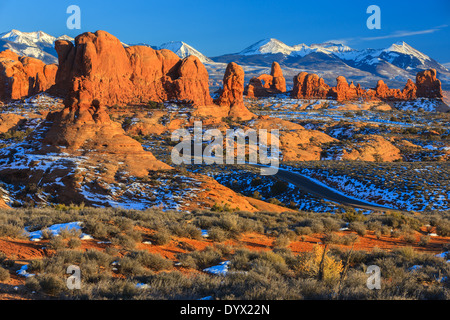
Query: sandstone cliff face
[
  {"x": 23, "y": 76},
  {"x": 99, "y": 67},
  {"x": 265, "y": 84},
  {"x": 232, "y": 94}
]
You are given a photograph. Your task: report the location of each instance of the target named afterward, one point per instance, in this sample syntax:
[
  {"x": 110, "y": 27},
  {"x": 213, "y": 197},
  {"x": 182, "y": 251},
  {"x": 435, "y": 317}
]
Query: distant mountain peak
[
  {"x": 268, "y": 46},
  {"x": 183, "y": 50},
  {"x": 402, "y": 47}
]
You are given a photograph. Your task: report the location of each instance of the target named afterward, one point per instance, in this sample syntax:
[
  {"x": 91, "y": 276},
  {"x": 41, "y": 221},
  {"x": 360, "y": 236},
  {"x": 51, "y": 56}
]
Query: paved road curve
[{"x": 323, "y": 192}]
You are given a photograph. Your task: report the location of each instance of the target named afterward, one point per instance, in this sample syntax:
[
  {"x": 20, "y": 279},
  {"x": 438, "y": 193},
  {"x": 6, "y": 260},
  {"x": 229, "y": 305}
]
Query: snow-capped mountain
[
  {"x": 395, "y": 64},
  {"x": 37, "y": 44},
  {"x": 274, "y": 46},
  {"x": 183, "y": 50},
  {"x": 269, "y": 46}
]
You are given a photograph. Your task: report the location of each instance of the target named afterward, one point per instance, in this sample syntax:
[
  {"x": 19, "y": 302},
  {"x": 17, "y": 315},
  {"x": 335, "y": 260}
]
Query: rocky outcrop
[
  {"x": 83, "y": 130},
  {"x": 278, "y": 82},
  {"x": 309, "y": 85},
  {"x": 265, "y": 84},
  {"x": 232, "y": 94},
  {"x": 23, "y": 76},
  {"x": 98, "y": 67},
  {"x": 383, "y": 92},
  {"x": 410, "y": 91},
  {"x": 296, "y": 143},
  {"x": 372, "y": 148},
  {"x": 428, "y": 86},
  {"x": 10, "y": 121}
]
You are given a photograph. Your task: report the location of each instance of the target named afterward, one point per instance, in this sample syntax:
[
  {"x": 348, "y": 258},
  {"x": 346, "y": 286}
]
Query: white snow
[
  {"x": 23, "y": 271},
  {"x": 205, "y": 233},
  {"x": 184, "y": 50},
  {"x": 220, "y": 269},
  {"x": 56, "y": 230}
]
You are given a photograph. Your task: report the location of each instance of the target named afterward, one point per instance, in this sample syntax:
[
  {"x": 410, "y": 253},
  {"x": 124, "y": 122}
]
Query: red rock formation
[
  {"x": 312, "y": 86},
  {"x": 89, "y": 131},
  {"x": 266, "y": 85},
  {"x": 279, "y": 82},
  {"x": 383, "y": 92},
  {"x": 99, "y": 68},
  {"x": 23, "y": 76},
  {"x": 428, "y": 86},
  {"x": 410, "y": 91},
  {"x": 309, "y": 85},
  {"x": 232, "y": 94},
  {"x": 344, "y": 91}
]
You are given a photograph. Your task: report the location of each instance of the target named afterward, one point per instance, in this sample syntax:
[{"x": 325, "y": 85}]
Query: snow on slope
[
  {"x": 36, "y": 44},
  {"x": 272, "y": 46},
  {"x": 404, "y": 48},
  {"x": 184, "y": 50}
]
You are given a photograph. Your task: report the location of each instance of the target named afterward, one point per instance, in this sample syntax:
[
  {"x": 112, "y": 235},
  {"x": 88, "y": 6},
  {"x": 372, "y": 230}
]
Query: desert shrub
[
  {"x": 36, "y": 266},
  {"x": 99, "y": 230},
  {"x": 317, "y": 226},
  {"x": 359, "y": 227},
  {"x": 8, "y": 230},
  {"x": 4, "y": 274},
  {"x": 396, "y": 233},
  {"x": 51, "y": 284},
  {"x": 124, "y": 224},
  {"x": 74, "y": 243},
  {"x": 351, "y": 215},
  {"x": 332, "y": 238},
  {"x": 187, "y": 261},
  {"x": 331, "y": 224},
  {"x": 443, "y": 228},
  {"x": 125, "y": 241},
  {"x": 206, "y": 258},
  {"x": 424, "y": 241},
  {"x": 57, "y": 243},
  {"x": 187, "y": 230},
  {"x": 303, "y": 231},
  {"x": 282, "y": 241},
  {"x": 129, "y": 266},
  {"x": 310, "y": 264},
  {"x": 69, "y": 233},
  {"x": 162, "y": 237},
  {"x": 217, "y": 234},
  {"x": 32, "y": 284},
  {"x": 374, "y": 226},
  {"x": 407, "y": 253},
  {"x": 152, "y": 261},
  {"x": 409, "y": 238}
]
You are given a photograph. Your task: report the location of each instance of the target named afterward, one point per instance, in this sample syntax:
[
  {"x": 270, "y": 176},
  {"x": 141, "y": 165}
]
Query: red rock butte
[
  {"x": 24, "y": 76},
  {"x": 99, "y": 67}
]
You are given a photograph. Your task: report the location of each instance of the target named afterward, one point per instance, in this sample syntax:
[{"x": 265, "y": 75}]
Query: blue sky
[{"x": 219, "y": 27}]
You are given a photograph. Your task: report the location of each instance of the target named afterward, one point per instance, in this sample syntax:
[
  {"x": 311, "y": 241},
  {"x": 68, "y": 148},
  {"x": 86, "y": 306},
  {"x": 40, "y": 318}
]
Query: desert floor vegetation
[{"x": 163, "y": 255}]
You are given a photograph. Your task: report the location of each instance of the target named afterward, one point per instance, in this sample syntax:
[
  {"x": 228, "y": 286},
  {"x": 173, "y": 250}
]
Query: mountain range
[{"x": 394, "y": 64}]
